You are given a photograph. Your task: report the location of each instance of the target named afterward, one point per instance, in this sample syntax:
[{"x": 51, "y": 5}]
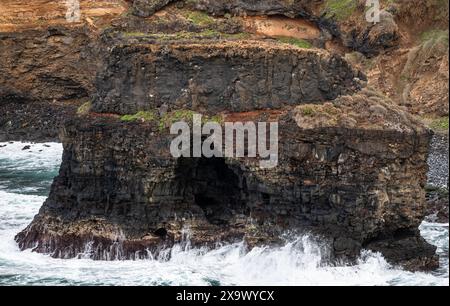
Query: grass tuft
[
  {"x": 85, "y": 108},
  {"x": 200, "y": 18},
  {"x": 142, "y": 116},
  {"x": 295, "y": 42},
  {"x": 435, "y": 37},
  {"x": 440, "y": 124},
  {"x": 340, "y": 9}
]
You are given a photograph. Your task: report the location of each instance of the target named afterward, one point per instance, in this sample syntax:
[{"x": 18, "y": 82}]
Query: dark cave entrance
[{"x": 217, "y": 188}]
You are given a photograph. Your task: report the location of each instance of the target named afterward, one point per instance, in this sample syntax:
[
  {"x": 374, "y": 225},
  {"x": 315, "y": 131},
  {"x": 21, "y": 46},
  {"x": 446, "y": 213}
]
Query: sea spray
[{"x": 300, "y": 261}]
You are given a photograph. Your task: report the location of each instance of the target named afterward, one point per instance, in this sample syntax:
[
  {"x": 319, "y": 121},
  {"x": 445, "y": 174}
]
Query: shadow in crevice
[{"x": 217, "y": 188}]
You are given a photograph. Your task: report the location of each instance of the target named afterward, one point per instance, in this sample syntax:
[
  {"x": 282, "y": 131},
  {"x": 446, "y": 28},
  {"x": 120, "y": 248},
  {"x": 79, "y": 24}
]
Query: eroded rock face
[
  {"x": 120, "y": 192},
  {"x": 46, "y": 64},
  {"x": 354, "y": 31},
  {"x": 352, "y": 166},
  {"x": 371, "y": 39},
  {"x": 145, "y": 8},
  {"x": 215, "y": 77},
  {"x": 352, "y": 170},
  {"x": 45, "y": 74},
  {"x": 262, "y": 7},
  {"x": 18, "y": 15}
]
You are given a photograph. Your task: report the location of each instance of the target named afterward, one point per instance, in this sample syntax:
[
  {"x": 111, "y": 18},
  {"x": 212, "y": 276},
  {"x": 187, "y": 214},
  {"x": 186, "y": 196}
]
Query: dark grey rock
[
  {"x": 219, "y": 76},
  {"x": 146, "y": 8}
]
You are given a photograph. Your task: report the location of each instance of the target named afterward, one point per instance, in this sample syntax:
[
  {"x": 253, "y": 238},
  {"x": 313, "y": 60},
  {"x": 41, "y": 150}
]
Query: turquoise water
[{"x": 25, "y": 179}]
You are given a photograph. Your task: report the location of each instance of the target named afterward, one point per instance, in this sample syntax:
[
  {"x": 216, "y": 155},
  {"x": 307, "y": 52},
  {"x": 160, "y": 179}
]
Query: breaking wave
[{"x": 25, "y": 177}]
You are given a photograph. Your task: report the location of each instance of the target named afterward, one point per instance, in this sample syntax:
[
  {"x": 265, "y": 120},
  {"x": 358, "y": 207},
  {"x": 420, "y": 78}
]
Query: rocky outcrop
[
  {"x": 54, "y": 63},
  {"x": 264, "y": 7},
  {"x": 352, "y": 170},
  {"x": 45, "y": 74},
  {"x": 352, "y": 165},
  {"x": 222, "y": 76},
  {"x": 145, "y": 8},
  {"x": 371, "y": 39},
  {"x": 19, "y": 15},
  {"x": 120, "y": 194},
  {"x": 36, "y": 121},
  {"x": 47, "y": 64},
  {"x": 355, "y": 32}
]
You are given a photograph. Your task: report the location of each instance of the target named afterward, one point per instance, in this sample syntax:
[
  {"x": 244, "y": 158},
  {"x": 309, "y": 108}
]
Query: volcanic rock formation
[
  {"x": 352, "y": 163},
  {"x": 352, "y": 170},
  {"x": 223, "y": 76}
]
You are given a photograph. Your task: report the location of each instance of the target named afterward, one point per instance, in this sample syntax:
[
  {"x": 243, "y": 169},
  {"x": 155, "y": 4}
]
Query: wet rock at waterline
[
  {"x": 351, "y": 178},
  {"x": 352, "y": 164}
]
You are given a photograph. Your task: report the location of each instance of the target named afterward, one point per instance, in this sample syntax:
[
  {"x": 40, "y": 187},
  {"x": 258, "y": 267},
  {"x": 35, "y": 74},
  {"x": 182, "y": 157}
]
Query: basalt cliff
[{"x": 353, "y": 146}]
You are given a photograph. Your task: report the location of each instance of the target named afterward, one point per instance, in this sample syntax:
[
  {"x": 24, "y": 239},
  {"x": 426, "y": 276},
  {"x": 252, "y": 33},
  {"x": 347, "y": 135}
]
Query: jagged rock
[
  {"x": 407, "y": 247},
  {"x": 219, "y": 76},
  {"x": 359, "y": 35},
  {"x": 347, "y": 170},
  {"x": 145, "y": 8},
  {"x": 54, "y": 63},
  {"x": 262, "y": 7},
  {"x": 370, "y": 39},
  {"x": 45, "y": 74},
  {"x": 352, "y": 168},
  {"x": 34, "y": 121},
  {"x": 437, "y": 205}
]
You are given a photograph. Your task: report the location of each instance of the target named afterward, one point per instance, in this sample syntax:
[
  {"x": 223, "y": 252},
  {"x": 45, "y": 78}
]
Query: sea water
[{"x": 25, "y": 179}]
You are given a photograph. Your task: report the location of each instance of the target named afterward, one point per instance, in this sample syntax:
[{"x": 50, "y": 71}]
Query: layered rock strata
[
  {"x": 48, "y": 63},
  {"x": 343, "y": 21},
  {"x": 352, "y": 170},
  {"x": 352, "y": 165},
  {"x": 224, "y": 76}
]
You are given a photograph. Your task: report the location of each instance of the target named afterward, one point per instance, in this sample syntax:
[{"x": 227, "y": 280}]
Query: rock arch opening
[{"x": 217, "y": 188}]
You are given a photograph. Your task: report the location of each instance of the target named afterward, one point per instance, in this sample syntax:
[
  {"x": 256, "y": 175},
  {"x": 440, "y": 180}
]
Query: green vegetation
[
  {"x": 134, "y": 34},
  {"x": 142, "y": 116},
  {"x": 185, "y": 115},
  {"x": 440, "y": 124},
  {"x": 85, "y": 108},
  {"x": 295, "y": 42},
  {"x": 329, "y": 109},
  {"x": 166, "y": 120},
  {"x": 340, "y": 9},
  {"x": 435, "y": 37},
  {"x": 200, "y": 18},
  {"x": 308, "y": 111},
  {"x": 216, "y": 118},
  {"x": 206, "y": 34},
  {"x": 178, "y": 115},
  {"x": 242, "y": 35}
]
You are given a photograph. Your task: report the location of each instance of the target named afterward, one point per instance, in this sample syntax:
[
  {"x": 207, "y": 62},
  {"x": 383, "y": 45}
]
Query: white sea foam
[
  {"x": 40, "y": 156},
  {"x": 296, "y": 263}
]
